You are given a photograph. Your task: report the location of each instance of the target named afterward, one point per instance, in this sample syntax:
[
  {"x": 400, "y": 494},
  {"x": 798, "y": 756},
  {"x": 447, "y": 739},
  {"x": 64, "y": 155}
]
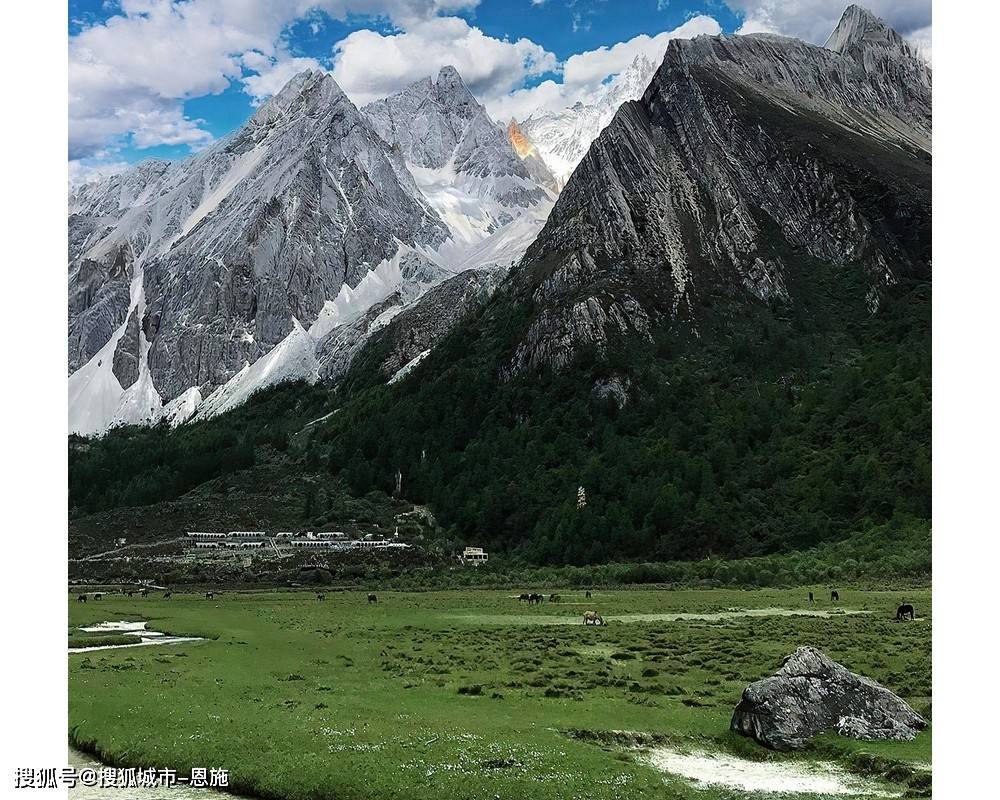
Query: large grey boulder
[{"x": 811, "y": 694}]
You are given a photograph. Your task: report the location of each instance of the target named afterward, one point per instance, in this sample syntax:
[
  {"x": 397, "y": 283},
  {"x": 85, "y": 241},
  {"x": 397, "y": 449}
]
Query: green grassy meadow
[{"x": 471, "y": 694}]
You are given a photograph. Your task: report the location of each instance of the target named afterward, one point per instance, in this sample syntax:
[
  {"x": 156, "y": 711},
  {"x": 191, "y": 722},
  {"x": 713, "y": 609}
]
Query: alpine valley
[{"x": 689, "y": 319}]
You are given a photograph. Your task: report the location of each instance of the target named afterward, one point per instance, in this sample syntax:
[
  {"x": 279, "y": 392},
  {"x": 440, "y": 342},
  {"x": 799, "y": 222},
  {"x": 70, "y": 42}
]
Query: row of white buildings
[{"x": 329, "y": 540}]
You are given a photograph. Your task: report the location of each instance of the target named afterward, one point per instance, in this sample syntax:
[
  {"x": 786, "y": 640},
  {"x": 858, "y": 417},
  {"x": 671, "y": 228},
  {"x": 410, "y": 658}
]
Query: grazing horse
[
  {"x": 320, "y": 596},
  {"x": 98, "y": 595},
  {"x": 592, "y": 618},
  {"x": 554, "y": 598},
  {"x": 810, "y": 597},
  {"x": 144, "y": 593},
  {"x": 904, "y": 611},
  {"x": 81, "y": 598},
  {"x": 588, "y": 594},
  {"x": 129, "y": 594},
  {"x": 534, "y": 598},
  {"x": 166, "y": 595},
  {"x": 523, "y": 597},
  {"x": 372, "y": 598},
  {"x": 209, "y": 595},
  {"x": 834, "y": 596}
]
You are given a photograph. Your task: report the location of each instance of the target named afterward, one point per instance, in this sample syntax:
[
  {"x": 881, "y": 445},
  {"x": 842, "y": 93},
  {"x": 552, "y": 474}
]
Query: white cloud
[
  {"x": 270, "y": 73},
  {"x": 490, "y": 67},
  {"x": 129, "y": 76},
  {"x": 814, "y": 20},
  {"x": 590, "y": 68},
  {"x": 86, "y": 171},
  {"x": 921, "y": 39},
  {"x": 584, "y": 73}
]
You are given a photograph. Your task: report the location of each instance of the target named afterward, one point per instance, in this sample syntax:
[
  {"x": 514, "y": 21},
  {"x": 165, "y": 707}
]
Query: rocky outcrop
[
  {"x": 127, "y": 352},
  {"x": 811, "y": 694}
]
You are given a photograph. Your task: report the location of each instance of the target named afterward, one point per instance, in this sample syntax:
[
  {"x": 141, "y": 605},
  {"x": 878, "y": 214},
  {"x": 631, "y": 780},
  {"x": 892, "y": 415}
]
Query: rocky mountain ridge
[{"x": 747, "y": 159}]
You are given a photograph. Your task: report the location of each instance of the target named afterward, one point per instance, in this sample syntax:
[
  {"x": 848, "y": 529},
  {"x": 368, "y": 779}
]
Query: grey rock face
[
  {"x": 438, "y": 123},
  {"x": 747, "y": 159},
  {"x": 413, "y": 326},
  {"x": 233, "y": 243},
  {"x": 126, "y": 359},
  {"x": 424, "y": 324},
  {"x": 811, "y": 694}
]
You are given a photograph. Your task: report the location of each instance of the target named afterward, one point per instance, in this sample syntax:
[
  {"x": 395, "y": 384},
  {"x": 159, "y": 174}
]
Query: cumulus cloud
[
  {"x": 593, "y": 66},
  {"x": 129, "y": 75},
  {"x": 921, "y": 39},
  {"x": 270, "y": 73},
  {"x": 584, "y": 73},
  {"x": 85, "y": 171},
  {"x": 814, "y": 20},
  {"x": 489, "y": 66}
]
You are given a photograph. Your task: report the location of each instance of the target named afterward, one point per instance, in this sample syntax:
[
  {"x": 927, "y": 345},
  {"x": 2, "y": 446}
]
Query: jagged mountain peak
[
  {"x": 870, "y": 85},
  {"x": 449, "y": 77},
  {"x": 439, "y": 125},
  {"x": 304, "y": 93},
  {"x": 857, "y": 24}
]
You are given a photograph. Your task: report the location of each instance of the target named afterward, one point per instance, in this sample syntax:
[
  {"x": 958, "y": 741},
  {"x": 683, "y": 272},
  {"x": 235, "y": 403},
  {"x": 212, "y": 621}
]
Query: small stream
[{"x": 144, "y": 636}]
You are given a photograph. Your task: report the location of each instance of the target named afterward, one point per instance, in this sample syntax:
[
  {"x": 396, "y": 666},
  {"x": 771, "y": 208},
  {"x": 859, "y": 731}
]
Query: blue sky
[{"x": 166, "y": 77}]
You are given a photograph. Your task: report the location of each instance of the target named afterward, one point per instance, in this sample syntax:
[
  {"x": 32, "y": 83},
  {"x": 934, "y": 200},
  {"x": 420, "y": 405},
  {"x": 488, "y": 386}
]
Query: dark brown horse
[
  {"x": 166, "y": 595},
  {"x": 372, "y": 598},
  {"x": 904, "y": 611},
  {"x": 209, "y": 595},
  {"x": 320, "y": 596},
  {"x": 81, "y": 598},
  {"x": 834, "y": 596}
]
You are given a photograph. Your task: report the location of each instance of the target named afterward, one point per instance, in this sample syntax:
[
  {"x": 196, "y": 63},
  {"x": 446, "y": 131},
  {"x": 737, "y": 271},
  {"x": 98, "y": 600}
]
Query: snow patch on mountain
[
  {"x": 562, "y": 138},
  {"x": 409, "y": 366},
  {"x": 97, "y": 400},
  {"x": 294, "y": 358},
  {"x": 240, "y": 169},
  {"x": 181, "y": 408}
]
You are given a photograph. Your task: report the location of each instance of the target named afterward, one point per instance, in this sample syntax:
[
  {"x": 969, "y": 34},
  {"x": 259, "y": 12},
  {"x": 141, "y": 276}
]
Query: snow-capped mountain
[
  {"x": 562, "y": 138},
  {"x": 192, "y": 285},
  {"x": 460, "y": 159}
]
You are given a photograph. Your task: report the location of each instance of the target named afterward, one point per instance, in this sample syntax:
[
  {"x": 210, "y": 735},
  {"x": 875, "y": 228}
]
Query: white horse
[{"x": 592, "y": 618}]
